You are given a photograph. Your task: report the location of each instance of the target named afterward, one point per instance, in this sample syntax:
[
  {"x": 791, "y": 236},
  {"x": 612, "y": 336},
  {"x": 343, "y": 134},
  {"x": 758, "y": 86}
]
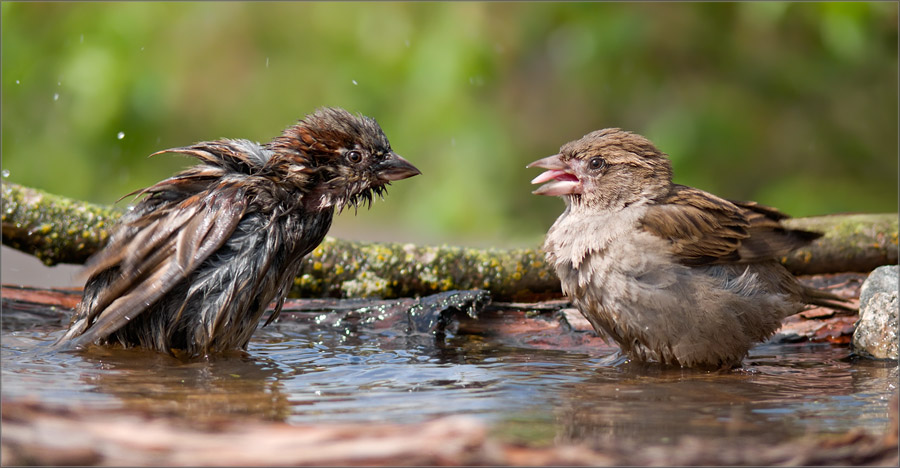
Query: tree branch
[{"x": 60, "y": 230}]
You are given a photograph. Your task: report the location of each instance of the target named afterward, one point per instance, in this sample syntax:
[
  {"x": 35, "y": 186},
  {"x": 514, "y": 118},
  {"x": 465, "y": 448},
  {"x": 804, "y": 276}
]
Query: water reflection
[
  {"x": 375, "y": 375},
  {"x": 783, "y": 391},
  {"x": 301, "y": 371},
  {"x": 230, "y": 387},
  {"x": 204, "y": 390}
]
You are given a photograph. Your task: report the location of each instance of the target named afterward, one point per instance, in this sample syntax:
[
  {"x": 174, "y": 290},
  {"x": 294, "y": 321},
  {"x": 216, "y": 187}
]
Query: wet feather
[{"x": 193, "y": 266}]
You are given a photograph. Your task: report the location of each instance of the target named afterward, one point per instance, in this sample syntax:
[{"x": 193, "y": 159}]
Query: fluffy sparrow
[{"x": 671, "y": 273}]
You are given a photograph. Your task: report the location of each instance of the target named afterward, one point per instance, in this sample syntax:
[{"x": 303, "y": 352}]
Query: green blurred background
[{"x": 791, "y": 104}]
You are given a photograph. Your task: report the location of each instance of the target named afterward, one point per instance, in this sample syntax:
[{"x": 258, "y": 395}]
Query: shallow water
[{"x": 303, "y": 374}]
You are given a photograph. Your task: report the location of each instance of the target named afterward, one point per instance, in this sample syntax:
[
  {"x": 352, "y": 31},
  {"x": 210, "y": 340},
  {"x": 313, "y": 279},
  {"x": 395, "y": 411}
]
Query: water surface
[{"x": 304, "y": 374}]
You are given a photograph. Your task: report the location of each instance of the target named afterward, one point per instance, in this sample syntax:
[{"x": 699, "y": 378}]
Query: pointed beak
[
  {"x": 550, "y": 162},
  {"x": 561, "y": 180},
  {"x": 394, "y": 167}
]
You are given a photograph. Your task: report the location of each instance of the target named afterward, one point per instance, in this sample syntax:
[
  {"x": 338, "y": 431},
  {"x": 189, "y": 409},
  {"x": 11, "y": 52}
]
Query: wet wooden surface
[{"x": 34, "y": 434}]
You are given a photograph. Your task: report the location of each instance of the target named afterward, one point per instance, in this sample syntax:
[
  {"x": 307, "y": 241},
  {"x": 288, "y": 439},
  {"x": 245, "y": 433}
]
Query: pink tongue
[{"x": 553, "y": 174}]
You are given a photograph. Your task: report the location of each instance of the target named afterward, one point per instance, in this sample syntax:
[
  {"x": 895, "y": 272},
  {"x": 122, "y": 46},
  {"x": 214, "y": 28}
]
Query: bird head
[
  {"x": 607, "y": 168},
  {"x": 339, "y": 158}
]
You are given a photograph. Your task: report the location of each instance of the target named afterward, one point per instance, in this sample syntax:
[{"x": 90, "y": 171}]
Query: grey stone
[{"x": 877, "y": 329}]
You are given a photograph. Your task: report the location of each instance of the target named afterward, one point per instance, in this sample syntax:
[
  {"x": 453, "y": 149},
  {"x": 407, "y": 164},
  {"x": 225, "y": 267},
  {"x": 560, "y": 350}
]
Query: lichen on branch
[{"x": 61, "y": 230}]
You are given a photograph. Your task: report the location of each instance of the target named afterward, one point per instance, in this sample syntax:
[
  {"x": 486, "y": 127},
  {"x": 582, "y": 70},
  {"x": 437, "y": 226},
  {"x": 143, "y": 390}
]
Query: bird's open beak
[
  {"x": 394, "y": 167},
  {"x": 561, "y": 179}
]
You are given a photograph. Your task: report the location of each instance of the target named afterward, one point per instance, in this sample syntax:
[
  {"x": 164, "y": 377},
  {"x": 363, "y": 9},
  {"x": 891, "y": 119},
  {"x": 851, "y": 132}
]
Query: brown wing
[
  {"x": 768, "y": 237},
  {"x": 705, "y": 229},
  {"x": 167, "y": 247},
  {"x": 168, "y": 235}
]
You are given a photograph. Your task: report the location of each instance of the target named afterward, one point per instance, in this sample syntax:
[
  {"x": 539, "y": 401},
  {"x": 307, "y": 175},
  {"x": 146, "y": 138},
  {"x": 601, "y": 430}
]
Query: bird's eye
[
  {"x": 597, "y": 163},
  {"x": 354, "y": 156}
]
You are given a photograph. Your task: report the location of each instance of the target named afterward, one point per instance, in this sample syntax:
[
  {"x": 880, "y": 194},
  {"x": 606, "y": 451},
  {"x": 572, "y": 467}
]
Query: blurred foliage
[{"x": 792, "y": 104}]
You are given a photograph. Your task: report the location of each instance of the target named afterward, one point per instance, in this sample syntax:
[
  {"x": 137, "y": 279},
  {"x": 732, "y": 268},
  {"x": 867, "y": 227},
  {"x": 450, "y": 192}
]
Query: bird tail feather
[{"x": 821, "y": 298}]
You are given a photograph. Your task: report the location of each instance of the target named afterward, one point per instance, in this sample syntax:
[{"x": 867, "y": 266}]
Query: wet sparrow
[{"x": 193, "y": 266}]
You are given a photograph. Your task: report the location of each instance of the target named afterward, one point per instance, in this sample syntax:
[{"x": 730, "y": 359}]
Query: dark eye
[
  {"x": 354, "y": 156},
  {"x": 597, "y": 163}
]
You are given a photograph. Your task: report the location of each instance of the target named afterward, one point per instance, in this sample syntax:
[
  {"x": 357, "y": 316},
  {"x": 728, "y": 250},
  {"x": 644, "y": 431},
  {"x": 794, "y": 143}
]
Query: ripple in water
[{"x": 301, "y": 374}]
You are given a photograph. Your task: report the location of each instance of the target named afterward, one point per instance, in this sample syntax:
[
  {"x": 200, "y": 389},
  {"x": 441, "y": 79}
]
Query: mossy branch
[
  {"x": 354, "y": 269},
  {"x": 53, "y": 228},
  {"x": 60, "y": 230},
  {"x": 852, "y": 242}
]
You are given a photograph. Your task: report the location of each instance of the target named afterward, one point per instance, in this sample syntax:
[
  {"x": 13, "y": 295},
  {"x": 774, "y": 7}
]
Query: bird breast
[{"x": 590, "y": 246}]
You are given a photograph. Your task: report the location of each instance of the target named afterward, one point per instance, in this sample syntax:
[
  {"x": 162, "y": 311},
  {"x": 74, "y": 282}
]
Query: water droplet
[
  {"x": 355, "y": 83},
  {"x": 120, "y": 135},
  {"x": 142, "y": 49},
  {"x": 59, "y": 83},
  {"x": 81, "y": 39},
  {"x": 56, "y": 96},
  {"x": 5, "y": 173},
  {"x": 17, "y": 81},
  {"x": 267, "y": 62}
]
